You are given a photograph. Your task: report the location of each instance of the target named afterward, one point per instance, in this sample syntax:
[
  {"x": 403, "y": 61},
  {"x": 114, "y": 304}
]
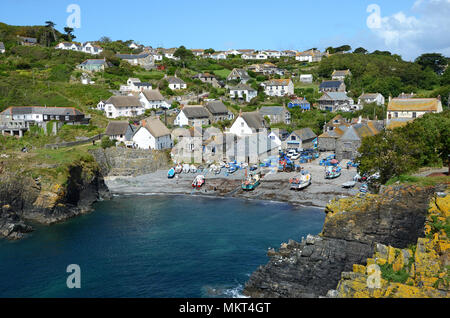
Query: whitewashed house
[
  {"x": 218, "y": 56},
  {"x": 133, "y": 46},
  {"x": 152, "y": 134},
  {"x": 2, "y": 48},
  {"x": 411, "y": 108},
  {"x": 368, "y": 98},
  {"x": 272, "y": 54},
  {"x": 193, "y": 115},
  {"x": 278, "y": 87},
  {"x": 123, "y": 106},
  {"x": 254, "y": 56},
  {"x": 135, "y": 85},
  {"x": 175, "y": 83},
  {"x": 121, "y": 131},
  {"x": 306, "y": 78},
  {"x": 90, "y": 48},
  {"x": 68, "y": 46},
  {"x": 152, "y": 99},
  {"x": 243, "y": 92},
  {"x": 247, "y": 124}
]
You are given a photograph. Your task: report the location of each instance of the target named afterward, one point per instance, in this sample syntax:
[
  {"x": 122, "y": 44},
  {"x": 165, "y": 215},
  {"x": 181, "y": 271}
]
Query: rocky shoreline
[{"x": 353, "y": 228}]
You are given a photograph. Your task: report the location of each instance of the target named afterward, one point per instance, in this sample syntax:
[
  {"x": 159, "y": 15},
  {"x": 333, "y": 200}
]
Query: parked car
[{"x": 295, "y": 156}]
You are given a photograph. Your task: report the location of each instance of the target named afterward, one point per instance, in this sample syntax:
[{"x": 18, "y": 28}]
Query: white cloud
[{"x": 426, "y": 31}]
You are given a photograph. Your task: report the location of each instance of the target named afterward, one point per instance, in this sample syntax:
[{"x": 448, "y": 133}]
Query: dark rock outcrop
[{"x": 352, "y": 228}]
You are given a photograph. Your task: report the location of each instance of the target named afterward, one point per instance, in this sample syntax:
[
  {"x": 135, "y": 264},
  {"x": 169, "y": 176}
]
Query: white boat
[
  {"x": 349, "y": 184},
  {"x": 198, "y": 181},
  {"x": 178, "y": 169},
  {"x": 193, "y": 169},
  {"x": 186, "y": 168},
  {"x": 301, "y": 182}
]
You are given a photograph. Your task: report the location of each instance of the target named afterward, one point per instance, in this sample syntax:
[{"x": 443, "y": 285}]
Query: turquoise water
[{"x": 153, "y": 246}]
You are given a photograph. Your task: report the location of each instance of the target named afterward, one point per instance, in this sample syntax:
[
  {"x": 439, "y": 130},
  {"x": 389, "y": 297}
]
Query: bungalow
[
  {"x": 122, "y": 131},
  {"x": 332, "y": 86},
  {"x": 306, "y": 78},
  {"x": 255, "y": 56},
  {"x": 193, "y": 115},
  {"x": 276, "y": 114},
  {"x": 27, "y": 41},
  {"x": 368, "y": 98},
  {"x": 133, "y": 46},
  {"x": 175, "y": 83},
  {"x": 142, "y": 59},
  {"x": 218, "y": 56},
  {"x": 238, "y": 74},
  {"x": 278, "y": 87},
  {"x": 123, "y": 106},
  {"x": 208, "y": 79},
  {"x": 348, "y": 144},
  {"x": 301, "y": 139},
  {"x": 169, "y": 53},
  {"x": 152, "y": 99},
  {"x": 248, "y": 123},
  {"x": 402, "y": 110},
  {"x": 90, "y": 48},
  {"x": 218, "y": 111},
  {"x": 243, "y": 92},
  {"x": 2, "y": 48},
  {"x": 68, "y": 46},
  {"x": 152, "y": 134},
  {"x": 335, "y": 101},
  {"x": 272, "y": 54},
  {"x": 94, "y": 65},
  {"x": 198, "y": 52},
  {"x": 135, "y": 85},
  {"x": 301, "y": 103},
  {"x": 340, "y": 75}
]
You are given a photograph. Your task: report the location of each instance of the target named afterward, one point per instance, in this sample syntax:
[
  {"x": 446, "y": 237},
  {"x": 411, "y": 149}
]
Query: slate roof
[
  {"x": 94, "y": 62},
  {"x": 330, "y": 84},
  {"x": 334, "y": 96},
  {"x": 341, "y": 73},
  {"x": 305, "y": 134},
  {"x": 56, "y": 111},
  {"x": 217, "y": 107},
  {"x": 271, "y": 110},
  {"x": 115, "y": 128},
  {"x": 174, "y": 80},
  {"x": 123, "y": 101},
  {"x": 242, "y": 87},
  {"x": 277, "y": 82},
  {"x": 132, "y": 56},
  {"x": 193, "y": 112},
  {"x": 240, "y": 72}
]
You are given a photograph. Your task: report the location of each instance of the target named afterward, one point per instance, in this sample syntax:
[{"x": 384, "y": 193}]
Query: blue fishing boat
[
  {"x": 171, "y": 173},
  {"x": 232, "y": 168},
  {"x": 333, "y": 172},
  {"x": 251, "y": 182}
]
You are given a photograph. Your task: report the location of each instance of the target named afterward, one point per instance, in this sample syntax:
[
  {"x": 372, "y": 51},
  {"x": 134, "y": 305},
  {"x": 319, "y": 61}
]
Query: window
[
  {"x": 414, "y": 115},
  {"x": 293, "y": 138},
  {"x": 396, "y": 115}
]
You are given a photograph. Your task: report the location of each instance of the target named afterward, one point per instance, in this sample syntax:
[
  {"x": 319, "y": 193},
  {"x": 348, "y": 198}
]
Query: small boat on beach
[
  {"x": 251, "y": 182},
  {"x": 178, "y": 169},
  {"x": 349, "y": 184},
  {"x": 232, "y": 169},
  {"x": 171, "y": 173},
  {"x": 186, "y": 168},
  {"x": 198, "y": 182},
  {"x": 333, "y": 172},
  {"x": 193, "y": 169},
  {"x": 301, "y": 182},
  {"x": 364, "y": 188}
]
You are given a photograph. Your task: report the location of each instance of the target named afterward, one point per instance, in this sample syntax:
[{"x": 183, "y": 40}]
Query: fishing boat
[
  {"x": 364, "y": 188},
  {"x": 193, "y": 169},
  {"x": 171, "y": 173},
  {"x": 333, "y": 172},
  {"x": 251, "y": 182},
  {"x": 198, "y": 182},
  {"x": 301, "y": 182},
  {"x": 232, "y": 169},
  {"x": 349, "y": 184},
  {"x": 185, "y": 168},
  {"x": 178, "y": 169}
]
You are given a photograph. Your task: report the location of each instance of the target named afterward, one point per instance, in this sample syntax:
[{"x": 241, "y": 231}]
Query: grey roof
[
  {"x": 94, "y": 62},
  {"x": 254, "y": 120},
  {"x": 340, "y": 73},
  {"x": 132, "y": 56},
  {"x": 217, "y": 107},
  {"x": 330, "y": 84},
  {"x": 305, "y": 133},
  {"x": 193, "y": 112},
  {"x": 123, "y": 101},
  {"x": 56, "y": 111},
  {"x": 139, "y": 84},
  {"x": 240, "y": 72},
  {"x": 155, "y": 127},
  {"x": 335, "y": 96},
  {"x": 271, "y": 110},
  {"x": 174, "y": 80},
  {"x": 152, "y": 94},
  {"x": 2, "y": 46},
  {"x": 259, "y": 142},
  {"x": 242, "y": 87},
  {"x": 369, "y": 95},
  {"x": 117, "y": 128}
]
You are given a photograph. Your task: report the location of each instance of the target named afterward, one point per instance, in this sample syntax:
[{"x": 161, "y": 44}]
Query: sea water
[{"x": 154, "y": 246}]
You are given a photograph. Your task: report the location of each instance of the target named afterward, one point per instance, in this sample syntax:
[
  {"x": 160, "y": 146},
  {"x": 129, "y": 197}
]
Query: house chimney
[
  {"x": 240, "y": 112},
  {"x": 439, "y": 97}
]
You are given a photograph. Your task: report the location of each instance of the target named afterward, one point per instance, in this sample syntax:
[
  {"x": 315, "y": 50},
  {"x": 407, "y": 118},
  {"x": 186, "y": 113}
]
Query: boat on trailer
[{"x": 301, "y": 182}]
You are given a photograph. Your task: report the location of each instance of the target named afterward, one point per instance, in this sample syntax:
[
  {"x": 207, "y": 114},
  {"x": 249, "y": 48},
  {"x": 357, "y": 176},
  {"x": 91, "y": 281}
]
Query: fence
[{"x": 75, "y": 143}]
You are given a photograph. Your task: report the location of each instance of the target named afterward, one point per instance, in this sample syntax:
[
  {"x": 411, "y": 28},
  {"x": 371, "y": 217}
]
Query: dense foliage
[{"x": 423, "y": 142}]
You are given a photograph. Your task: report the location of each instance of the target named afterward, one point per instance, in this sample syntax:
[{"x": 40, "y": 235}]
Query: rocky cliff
[
  {"x": 353, "y": 228},
  {"x": 26, "y": 198},
  {"x": 129, "y": 162}
]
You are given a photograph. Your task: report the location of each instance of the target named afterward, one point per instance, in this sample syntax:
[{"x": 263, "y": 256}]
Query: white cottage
[
  {"x": 152, "y": 99},
  {"x": 247, "y": 124},
  {"x": 123, "y": 106},
  {"x": 243, "y": 92},
  {"x": 152, "y": 134},
  {"x": 278, "y": 87}
]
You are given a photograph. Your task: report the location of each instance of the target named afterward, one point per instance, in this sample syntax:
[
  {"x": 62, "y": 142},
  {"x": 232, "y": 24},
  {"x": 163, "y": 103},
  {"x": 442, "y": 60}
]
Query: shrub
[{"x": 107, "y": 143}]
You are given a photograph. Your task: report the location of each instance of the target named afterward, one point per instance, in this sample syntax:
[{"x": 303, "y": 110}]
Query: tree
[
  {"x": 209, "y": 51},
  {"x": 445, "y": 79},
  {"x": 51, "y": 26},
  {"x": 105, "y": 39},
  {"x": 360, "y": 50},
  {"x": 69, "y": 34},
  {"x": 183, "y": 53},
  {"x": 436, "y": 61}
]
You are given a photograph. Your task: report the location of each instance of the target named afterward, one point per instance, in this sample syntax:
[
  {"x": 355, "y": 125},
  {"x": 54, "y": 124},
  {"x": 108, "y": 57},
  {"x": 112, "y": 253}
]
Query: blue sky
[{"x": 407, "y": 27}]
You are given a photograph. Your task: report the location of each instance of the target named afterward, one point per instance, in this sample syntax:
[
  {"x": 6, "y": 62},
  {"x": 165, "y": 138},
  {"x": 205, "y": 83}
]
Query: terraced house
[
  {"x": 193, "y": 115},
  {"x": 400, "y": 111},
  {"x": 123, "y": 106},
  {"x": 278, "y": 87}
]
